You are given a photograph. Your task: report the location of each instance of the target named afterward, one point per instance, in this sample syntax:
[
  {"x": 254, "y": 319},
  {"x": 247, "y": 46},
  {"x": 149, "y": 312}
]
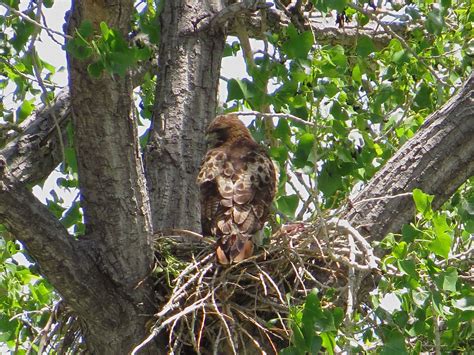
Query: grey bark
[
  {"x": 437, "y": 160},
  {"x": 186, "y": 100},
  {"x": 33, "y": 152},
  {"x": 112, "y": 184}
]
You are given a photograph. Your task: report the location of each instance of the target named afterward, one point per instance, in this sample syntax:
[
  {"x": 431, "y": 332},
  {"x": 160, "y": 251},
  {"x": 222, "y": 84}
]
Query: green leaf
[
  {"x": 422, "y": 98},
  {"x": 305, "y": 145},
  {"x": 409, "y": 233},
  {"x": 95, "y": 69},
  {"x": 329, "y": 342},
  {"x": 72, "y": 216},
  {"x": 400, "y": 250},
  {"x": 311, "y": 311},
  {"x": 288, "y": 205},
  {"x": 356, "y": 74},
  {"x": 85, "y": 29},
  {"x": 239, "y": 89},
  {"x": 434, "y": 21},
  {"x": 365, "y": 46},
  {"x": 329, "y": 179},
  {"x": 48, "y": 3},
  {"x": 394, "y": 343},
  {"x": 423, "y": 203},
  {"x": 449, "y": 279},
  {"x": 338, "y": 5},
  {"x": 441, "y": 245},
  {"x": 440, "y": 224},
  {"x": 105, "y": 30},
  {"x": 408, "y": 267},
  {"x": 465, "y": 303},
  {"x": 79, "y": 48},
  {"x": 298, "y": 45},
  {"x": 24, "y": 110}
]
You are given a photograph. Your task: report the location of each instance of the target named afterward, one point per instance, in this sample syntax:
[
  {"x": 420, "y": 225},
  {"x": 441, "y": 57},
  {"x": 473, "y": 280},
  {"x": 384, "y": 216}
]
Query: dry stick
[
  {"x": 201, "y": 329},
  {"x": 156, "y": 331},
  {"x": 272, "y": 282},
  {"x": 437, "y": 334},
  {"x": 350, "y": 290},
  {"x": 217, "y": 342},
  {"x": 257, "y": 344},
  {"x": 221, "y": 317},
  {"x": 170, "y": 336},
  {"x": 343, "y": 226},
  {"x": 389, "y": 197},
  {"x": 179, "y": 292},
  {"x": 277, "y": 115}
]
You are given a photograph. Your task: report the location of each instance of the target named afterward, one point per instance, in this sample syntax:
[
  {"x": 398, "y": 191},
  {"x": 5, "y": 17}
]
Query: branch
[
  {"x": 278, "y": 115},
  {"x": 58, "y": 254},
  {"x": 437, "y": 160},
  {"x": 33, "y": 153},
  {"x": 233, "y": 10}
]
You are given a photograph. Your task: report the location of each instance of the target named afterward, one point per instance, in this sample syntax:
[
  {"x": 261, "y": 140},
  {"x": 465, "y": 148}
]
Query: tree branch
[
  {"x": 62, "y": 259},
  {"x": 437, "y": 160},
  {"x": 35, "y": 151}
]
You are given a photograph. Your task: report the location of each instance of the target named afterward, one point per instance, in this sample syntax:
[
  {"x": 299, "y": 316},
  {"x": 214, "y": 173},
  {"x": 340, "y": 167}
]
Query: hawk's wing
[{"x": 237, "y": 188}]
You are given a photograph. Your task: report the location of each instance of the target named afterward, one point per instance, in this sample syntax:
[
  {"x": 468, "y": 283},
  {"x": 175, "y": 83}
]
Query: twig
[
  {"x": 156, "y": 331},
  {"x": 277, "y": 115},
  {"x": 344, "y": 226},
  {"x": 387, "y": 197},
  {"x": 36, "y": 23},
  {"x": 350, "y": 291},
  {"x": 437, "y": 334}
]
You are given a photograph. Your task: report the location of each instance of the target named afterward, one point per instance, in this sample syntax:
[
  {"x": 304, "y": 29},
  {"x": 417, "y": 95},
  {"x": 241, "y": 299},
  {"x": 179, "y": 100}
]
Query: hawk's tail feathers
[{"x": 234, "y": 248}]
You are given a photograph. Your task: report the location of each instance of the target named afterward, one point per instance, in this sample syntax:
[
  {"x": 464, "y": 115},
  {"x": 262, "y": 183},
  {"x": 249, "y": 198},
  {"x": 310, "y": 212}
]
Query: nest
[{"x": 244, "y": 308}]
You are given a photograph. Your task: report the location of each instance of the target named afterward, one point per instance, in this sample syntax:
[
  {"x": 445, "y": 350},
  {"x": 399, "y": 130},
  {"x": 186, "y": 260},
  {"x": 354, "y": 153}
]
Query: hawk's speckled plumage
[{"x": 237, "y": 181}]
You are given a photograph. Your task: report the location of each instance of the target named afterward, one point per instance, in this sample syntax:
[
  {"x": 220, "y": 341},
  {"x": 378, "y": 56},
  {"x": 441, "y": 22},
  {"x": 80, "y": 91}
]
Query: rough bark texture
[
  {"x": 33, "y": 153},
  {"x": 437, "y": 160},
  {"x": 112, "y": 183},
  {"x": 189, "y": 65}
]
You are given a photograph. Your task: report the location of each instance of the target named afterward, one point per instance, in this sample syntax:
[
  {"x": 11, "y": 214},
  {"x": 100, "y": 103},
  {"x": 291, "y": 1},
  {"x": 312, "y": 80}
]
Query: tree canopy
[{"x": 368, "y": 111}]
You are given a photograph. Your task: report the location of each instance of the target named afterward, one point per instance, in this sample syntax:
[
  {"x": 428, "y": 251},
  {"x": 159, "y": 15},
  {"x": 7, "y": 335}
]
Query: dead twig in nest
[{"x": 245, "y": 308}]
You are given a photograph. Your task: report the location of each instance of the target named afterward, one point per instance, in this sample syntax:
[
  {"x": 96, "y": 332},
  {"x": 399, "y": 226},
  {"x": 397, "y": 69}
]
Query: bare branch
[{"x": 278, "y": 115}]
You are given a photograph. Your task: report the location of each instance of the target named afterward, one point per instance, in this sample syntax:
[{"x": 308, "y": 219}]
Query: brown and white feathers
[{"x": 237, "y": 181}]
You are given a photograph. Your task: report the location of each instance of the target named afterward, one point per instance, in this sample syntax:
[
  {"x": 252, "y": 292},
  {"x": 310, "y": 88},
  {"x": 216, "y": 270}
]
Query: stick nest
[{"x": 244, "y": 308}]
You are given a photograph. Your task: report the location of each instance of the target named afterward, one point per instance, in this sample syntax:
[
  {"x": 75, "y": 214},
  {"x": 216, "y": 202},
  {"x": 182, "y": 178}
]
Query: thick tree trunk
[
  {"x": 113, "y": 190},
  {"x": 186, "y": 100}
]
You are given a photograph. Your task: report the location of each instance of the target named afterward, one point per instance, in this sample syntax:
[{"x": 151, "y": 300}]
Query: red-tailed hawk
[{"x": 237, "y": 182}]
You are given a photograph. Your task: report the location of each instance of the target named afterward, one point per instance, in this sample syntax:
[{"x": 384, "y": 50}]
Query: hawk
[{"x": 237, "y": 181}]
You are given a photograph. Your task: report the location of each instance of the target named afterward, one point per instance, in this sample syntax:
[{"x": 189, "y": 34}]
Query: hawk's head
[{"x": 225, "y": 129}]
